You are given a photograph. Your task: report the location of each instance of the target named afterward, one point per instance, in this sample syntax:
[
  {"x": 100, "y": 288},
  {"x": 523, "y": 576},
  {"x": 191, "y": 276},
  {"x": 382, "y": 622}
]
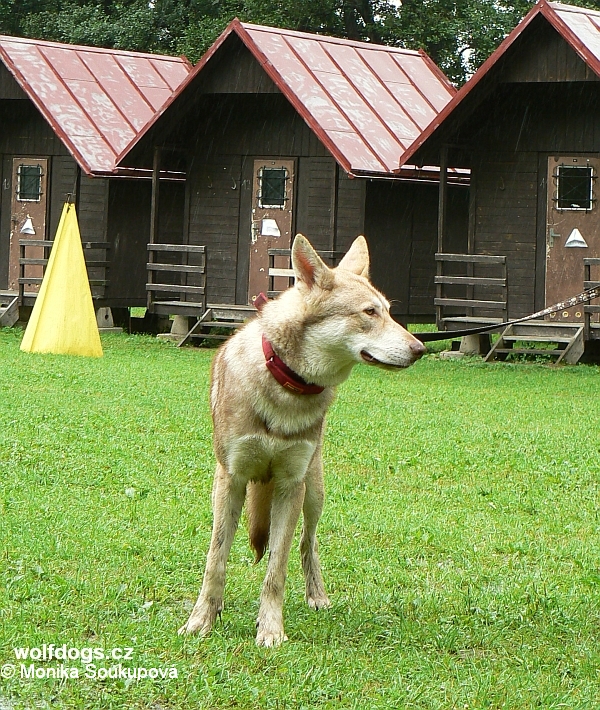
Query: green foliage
[{"x": 458, "y": 34}]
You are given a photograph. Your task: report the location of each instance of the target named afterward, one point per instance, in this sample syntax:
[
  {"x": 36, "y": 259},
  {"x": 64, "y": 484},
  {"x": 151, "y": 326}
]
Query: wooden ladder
[
  {"x": 9, "y": 309},
  {"x": 568, "y": 339},
  {"x": 218, "y": 322}
]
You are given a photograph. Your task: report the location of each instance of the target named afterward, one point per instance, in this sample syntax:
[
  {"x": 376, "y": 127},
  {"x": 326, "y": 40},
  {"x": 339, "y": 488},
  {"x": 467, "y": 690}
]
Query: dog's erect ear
[
  {"x": 357, "y": 258},
  {"x": 308, "y": 265}
]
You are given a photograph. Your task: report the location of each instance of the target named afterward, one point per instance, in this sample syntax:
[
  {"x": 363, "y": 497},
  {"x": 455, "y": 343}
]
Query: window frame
[
  {"x": 285, "y": 198},
  {"x": 40, "y": 176},
  {"x": 591, "y": 178}
]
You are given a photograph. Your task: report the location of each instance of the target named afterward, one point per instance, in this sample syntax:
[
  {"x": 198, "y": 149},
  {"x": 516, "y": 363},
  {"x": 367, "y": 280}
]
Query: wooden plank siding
[
  {"x": 545, "y": 102},
  {"x": 236, "y": 115},
  {"x": 401, "y": 227},
  {"x": 213, "y": 221},
  {"x": 63, "y": 180},
  {"x": 506, "y": 223},
  {"x": 545, "y": 57},
  {"x": 315, "y": 196},
  {"x": 5, "y": 219},
  {"x": 127, "y": 233},
  {"x": 241, "y": 128},
  {"x": 235, "y": 71},
  {"x": 350, "y": 220},
  {"x": 9, "y": 88}
]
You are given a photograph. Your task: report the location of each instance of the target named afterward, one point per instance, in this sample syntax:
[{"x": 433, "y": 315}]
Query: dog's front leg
[
  {"x": 285, "y": 511},
  {"x": 309, "y": 548},
  {"x": 228, "y": 498}
]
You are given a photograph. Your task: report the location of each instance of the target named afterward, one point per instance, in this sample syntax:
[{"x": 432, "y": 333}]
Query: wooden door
[
  {"x": 572, "y": 228},
  {"x": 28, "y": 215},
  {"x": 272, "y": 220}
]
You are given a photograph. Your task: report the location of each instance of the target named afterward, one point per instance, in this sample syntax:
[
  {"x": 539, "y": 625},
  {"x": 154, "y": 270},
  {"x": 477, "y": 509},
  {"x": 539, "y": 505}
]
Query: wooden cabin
[
  {"x": 527, "y": 126},
  {"x": 283, "y": 132},
  {"x": 66, "y": 112}
]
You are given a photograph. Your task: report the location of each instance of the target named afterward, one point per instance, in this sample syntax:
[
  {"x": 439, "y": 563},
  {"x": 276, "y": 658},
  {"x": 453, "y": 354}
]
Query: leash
[{"x": 583, "y": 297}]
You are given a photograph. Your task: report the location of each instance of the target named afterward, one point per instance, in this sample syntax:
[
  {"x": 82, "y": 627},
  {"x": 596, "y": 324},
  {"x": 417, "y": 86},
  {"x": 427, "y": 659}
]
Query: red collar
[{"x": 281, "y": 372}]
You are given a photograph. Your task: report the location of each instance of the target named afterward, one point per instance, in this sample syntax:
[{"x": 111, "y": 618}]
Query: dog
[{"x": 271, "y": 386}]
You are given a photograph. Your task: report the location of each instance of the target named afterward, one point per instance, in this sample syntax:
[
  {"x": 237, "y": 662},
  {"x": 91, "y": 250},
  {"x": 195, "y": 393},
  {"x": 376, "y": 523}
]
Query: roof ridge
[
  {"x": 339, "y": 124},
  {"x": 329, "y": 38},
  {"x": 89, "y": 48},
  {"x": 562, "y": 7}
]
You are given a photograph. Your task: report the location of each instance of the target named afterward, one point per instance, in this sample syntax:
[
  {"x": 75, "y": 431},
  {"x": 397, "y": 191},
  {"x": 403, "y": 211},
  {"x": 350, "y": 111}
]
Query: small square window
[
  {"x": 575, "y": 185},
  {"x": 29, "y": 183},
  {"x": 272, "y": 190}
]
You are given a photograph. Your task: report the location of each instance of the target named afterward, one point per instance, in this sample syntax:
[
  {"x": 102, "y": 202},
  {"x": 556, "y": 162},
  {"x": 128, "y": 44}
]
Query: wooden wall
[
  {"x": 544, "y": 56},
  {"x": 511, "y": 136},
  {"x": 539, "y": 100},
  {"x": 23, "y": 132},
  {"x": 231, "y": 114},
  {"x": 401, "y": 228},
  {"x": 239, "y": 129},
  {"x": 128, "y": 230},
  {"x": 117, "y": 211}
]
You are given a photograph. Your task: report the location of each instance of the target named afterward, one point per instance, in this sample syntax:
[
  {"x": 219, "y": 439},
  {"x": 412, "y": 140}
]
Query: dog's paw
[
  {"x": 270, "y": 639},
  {"x": 269, "y": 630},
  {"x": 201, "y": 619},
  {"x": 318, "y": 601}
]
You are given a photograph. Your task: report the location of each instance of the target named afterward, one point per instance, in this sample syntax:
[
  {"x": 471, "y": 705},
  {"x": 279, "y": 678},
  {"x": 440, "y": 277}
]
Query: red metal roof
[
  {"x": 366, "y": 103},
  {"x": 579, "y": 27},
  {"x": 96, "y": 100}
]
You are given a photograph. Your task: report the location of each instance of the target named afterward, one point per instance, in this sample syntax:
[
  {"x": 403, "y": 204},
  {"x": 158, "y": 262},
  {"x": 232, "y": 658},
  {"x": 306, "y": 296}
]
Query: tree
[{"x": 458, "y": 34}]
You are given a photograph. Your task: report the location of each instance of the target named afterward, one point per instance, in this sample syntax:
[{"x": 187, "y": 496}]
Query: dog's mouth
[{"x": 368, "y": 358}]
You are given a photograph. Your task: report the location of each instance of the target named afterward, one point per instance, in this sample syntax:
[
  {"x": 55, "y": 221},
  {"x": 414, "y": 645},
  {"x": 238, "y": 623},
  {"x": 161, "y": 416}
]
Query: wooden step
[
  {"x": 543, "y": 332},
  {"x": 216, "y": 316},
  {"x": 529, "y": 351},
  {"x": 198, "y": 334},
  {"x": 9, "y": 312},
  {"x": 223, "y": 311},
  {"x": 222, "y": 324},
  {"x": 539, "y": 338}
]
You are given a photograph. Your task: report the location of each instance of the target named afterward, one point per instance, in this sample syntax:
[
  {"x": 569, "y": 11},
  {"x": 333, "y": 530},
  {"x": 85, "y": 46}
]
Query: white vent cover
[
  {"x": 575, "y": 239},
  {"x": 269, "y": 228},
  {"x": 27, "y": 228}
]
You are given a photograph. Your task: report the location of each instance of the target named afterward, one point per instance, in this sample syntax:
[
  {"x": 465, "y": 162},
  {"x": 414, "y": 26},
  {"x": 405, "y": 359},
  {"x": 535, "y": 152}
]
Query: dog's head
[{"x": 347, "y": 317}]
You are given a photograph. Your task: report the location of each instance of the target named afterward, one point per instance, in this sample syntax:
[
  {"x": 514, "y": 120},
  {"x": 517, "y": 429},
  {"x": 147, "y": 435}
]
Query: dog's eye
[{"x": 370, "y": 311}]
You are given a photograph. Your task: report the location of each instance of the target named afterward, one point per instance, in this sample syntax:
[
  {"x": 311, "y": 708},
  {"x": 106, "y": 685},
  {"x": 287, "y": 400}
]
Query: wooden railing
[
  {"x": 176, "y": 288},
  {"x": 37, "y": 265},
  {"x": 589, "y": 310},
  {"x": 469, "y": 301},
  {"x": 281, "y": 275}
]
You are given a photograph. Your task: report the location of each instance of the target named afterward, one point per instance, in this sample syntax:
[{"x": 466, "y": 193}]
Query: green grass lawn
[{"x": 460, "y": 540}]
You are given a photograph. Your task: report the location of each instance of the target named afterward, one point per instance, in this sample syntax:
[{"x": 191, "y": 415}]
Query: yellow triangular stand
[{"x": 63, "y": 320}]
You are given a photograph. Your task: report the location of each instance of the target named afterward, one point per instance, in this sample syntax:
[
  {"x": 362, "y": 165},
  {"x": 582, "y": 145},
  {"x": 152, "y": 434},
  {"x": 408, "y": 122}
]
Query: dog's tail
[{"x": 258, "y": 507}]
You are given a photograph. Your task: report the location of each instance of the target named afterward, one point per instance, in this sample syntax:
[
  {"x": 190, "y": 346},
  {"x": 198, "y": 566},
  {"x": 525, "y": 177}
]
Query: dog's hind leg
[
  {"x": 228, "y": 499},
  {"x": 314, "y": 496}
]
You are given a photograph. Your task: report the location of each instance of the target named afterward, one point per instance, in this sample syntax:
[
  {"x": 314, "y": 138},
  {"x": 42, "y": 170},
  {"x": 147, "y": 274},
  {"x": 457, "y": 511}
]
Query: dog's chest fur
[{"x": 258, "y": 423}]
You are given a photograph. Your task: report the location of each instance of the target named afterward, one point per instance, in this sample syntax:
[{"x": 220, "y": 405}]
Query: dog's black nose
[{"x": 417, "y": 348}]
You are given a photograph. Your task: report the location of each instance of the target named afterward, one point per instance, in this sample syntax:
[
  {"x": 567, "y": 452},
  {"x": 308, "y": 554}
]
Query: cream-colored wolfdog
[{"x": 272, "y": 384}]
